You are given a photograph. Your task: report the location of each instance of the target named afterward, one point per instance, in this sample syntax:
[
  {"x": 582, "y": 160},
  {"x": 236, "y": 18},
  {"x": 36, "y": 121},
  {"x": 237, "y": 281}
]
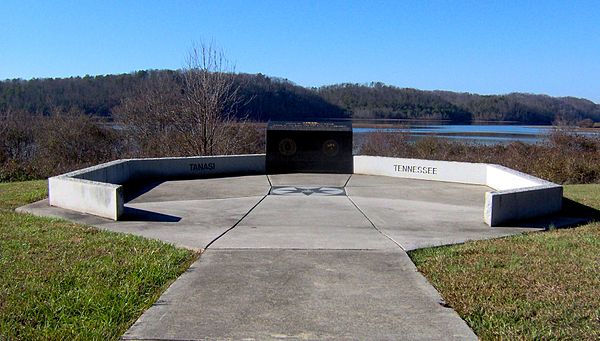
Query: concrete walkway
[{"x": 309, "y": 264}]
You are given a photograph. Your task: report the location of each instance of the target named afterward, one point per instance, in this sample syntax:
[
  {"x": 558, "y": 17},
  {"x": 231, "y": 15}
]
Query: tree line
[
  {"x": 198, "y": 110},
  {"x": 263, "y": 98},
  {"x": 51, "y": 126},
  {"x": 269, "y": 98},
  {"x": 377, "y": 100}
]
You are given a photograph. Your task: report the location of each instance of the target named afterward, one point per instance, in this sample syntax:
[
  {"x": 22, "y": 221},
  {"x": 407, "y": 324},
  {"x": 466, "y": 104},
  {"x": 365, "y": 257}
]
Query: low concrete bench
[
  {"x": 98, "y": 190},
  {"x": 516, "y": 195}
]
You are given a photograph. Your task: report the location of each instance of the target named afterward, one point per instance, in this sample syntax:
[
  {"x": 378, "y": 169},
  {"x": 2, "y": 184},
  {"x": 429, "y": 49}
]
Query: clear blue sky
[{"x": 545, "y": 46}]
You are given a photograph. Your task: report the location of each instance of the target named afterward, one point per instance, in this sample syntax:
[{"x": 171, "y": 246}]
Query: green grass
[
  {"x": 533, "y": 286},
  {"x": 60, "y": 280},
  {"x": 15, "y": 194},
  {"x": 588, "y": 195}
]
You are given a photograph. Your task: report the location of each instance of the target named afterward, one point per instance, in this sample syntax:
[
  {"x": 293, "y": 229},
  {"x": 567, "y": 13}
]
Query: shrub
[
  {"x": 71, "y": 140},
  {"x": 34, "y": 147}
]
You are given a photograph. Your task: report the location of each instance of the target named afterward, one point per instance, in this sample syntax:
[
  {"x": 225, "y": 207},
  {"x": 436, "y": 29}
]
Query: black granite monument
[{"x": 309, "y": 147}]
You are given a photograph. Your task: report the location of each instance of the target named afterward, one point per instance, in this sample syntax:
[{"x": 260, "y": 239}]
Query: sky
[{"x": 487, "y": 47}]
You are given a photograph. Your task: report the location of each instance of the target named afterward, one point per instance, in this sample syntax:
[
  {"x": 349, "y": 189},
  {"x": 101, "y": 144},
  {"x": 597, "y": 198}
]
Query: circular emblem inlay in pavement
[{"x": 307, "y": 190}]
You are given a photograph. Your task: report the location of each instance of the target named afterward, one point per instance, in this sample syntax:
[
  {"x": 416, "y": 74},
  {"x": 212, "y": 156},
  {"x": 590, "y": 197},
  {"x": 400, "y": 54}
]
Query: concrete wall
[
  {"x": 97, "y": 198},
  {"x": 505, "y": 206},
  {"x": 516, "y": 195},
  {"x": 114, "y": 172},
  {"x": 98, "y": 190},
  {"x": 462, "y": 172},
  {"x": 503, "y": 178},
  {"x": 194, "y": 167}
]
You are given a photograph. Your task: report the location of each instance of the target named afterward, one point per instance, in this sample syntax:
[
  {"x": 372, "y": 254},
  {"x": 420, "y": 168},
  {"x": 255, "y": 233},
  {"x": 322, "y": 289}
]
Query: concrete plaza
[{"x": 307, "y": 263}]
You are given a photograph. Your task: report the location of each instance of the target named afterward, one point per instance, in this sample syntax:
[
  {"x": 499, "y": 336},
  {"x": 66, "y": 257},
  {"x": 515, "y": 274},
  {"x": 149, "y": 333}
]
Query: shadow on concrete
[
  {"x": 132, "y": 190},
  {"x": 136, "y": 214},
  {"x": 573, "y": 214}
]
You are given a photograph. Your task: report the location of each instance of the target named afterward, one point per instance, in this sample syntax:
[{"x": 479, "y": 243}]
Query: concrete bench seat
[{"x": 98, "y": 190}]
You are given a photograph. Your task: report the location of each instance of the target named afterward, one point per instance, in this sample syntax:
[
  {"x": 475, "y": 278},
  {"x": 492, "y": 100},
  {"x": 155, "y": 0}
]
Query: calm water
[{"x": 481, "y": 134}]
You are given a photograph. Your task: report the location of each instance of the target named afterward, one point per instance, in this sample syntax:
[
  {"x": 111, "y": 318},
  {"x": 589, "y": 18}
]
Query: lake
[{"x": 480, "y": 134}]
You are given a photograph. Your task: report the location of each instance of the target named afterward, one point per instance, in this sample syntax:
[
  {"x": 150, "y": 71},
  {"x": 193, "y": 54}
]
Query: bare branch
[{"x": 191, "y": 114}]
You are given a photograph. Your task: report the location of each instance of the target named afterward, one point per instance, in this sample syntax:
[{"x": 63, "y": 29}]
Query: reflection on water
[
  {"x": 480, "y": 134},
  {"x": 496, "y": 129},
  {"x": 490, "y": 140},
  {"x": 464, "y": 129}
]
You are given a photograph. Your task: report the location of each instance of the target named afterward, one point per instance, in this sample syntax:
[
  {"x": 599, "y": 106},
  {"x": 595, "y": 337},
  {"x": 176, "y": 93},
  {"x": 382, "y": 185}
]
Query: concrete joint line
[
  {"x": 236, "y": 224},
  {"x": 347, "y": 181},
  {"x": 374, "y": 226}
]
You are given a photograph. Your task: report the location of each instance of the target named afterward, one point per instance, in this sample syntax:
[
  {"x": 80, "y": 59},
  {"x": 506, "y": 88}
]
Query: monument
[
  {"x": 309, "y": 147},
  {"x": 306, "y": 147}
]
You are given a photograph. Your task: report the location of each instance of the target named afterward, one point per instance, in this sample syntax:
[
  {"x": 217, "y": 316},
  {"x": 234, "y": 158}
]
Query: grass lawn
[
  {"x": 533, "y": 286},
  {"x": 60, "y": 280}
]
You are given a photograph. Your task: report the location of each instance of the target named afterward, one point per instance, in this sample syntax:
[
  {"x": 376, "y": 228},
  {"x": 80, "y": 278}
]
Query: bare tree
[
  {"x": 147, "y": 117},
  {"x": 209, "y": 115},
  {"x": 195, "y": 112}
]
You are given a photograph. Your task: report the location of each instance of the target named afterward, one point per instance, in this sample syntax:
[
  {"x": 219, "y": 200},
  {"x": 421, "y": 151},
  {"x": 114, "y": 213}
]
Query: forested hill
[
  {"x": 382, "y": 101},
  {"x": 279, "y": 99},
  {"x": 264, "y": 97}
]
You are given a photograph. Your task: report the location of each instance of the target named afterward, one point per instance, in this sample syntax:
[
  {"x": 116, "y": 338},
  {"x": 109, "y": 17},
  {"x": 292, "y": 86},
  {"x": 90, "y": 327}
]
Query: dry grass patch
[{"x": 533, "y": 286}]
